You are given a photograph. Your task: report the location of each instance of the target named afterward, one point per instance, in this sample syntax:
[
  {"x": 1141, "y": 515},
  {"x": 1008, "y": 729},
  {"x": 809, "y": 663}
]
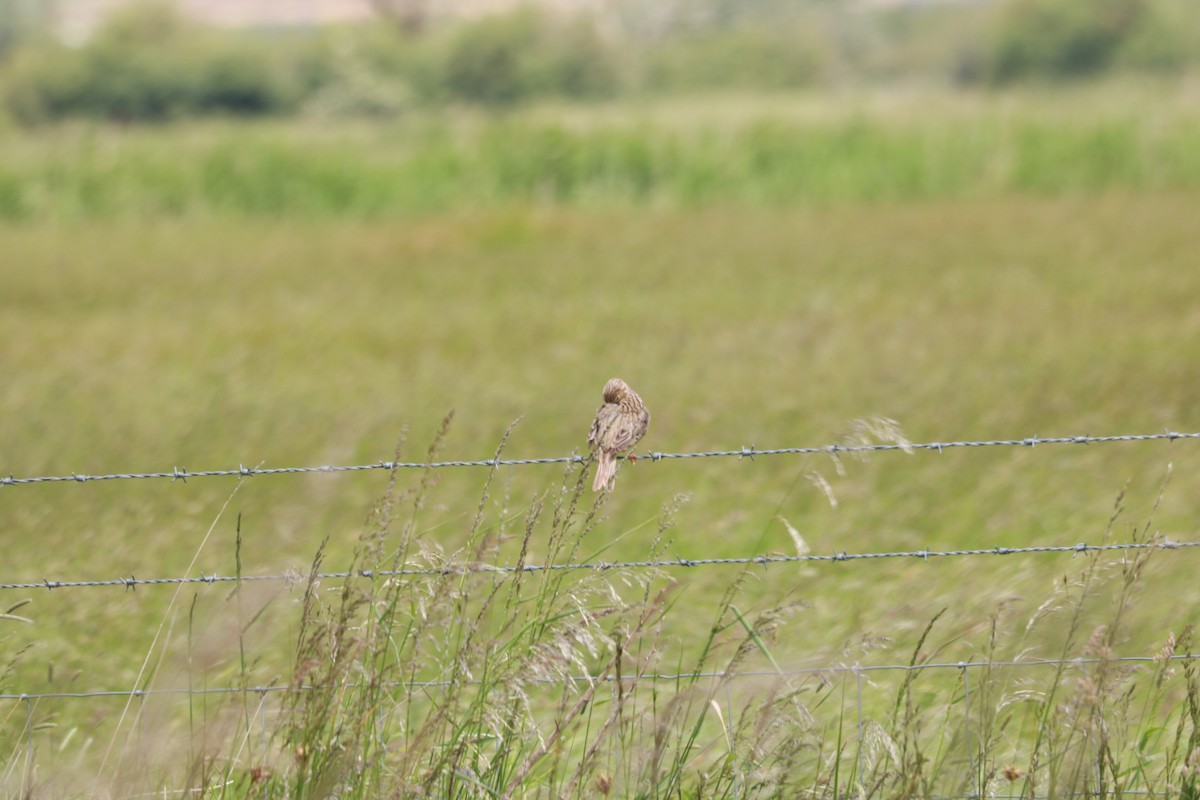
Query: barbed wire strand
[
  {"x": 133, "y": 582},
  {"x": 751, "y": 452},
  {"x": 852, "y": 669}
]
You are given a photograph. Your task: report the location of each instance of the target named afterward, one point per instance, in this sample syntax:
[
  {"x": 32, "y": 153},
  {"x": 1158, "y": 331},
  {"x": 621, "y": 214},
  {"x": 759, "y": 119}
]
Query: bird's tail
[{"x": 606, "y": 471}]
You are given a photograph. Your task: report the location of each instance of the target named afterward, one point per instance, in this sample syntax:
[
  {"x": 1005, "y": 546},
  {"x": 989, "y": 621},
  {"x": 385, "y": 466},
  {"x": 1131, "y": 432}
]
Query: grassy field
[
  {"x": 226, "y": 336},
  {"x": 697, "y": 153}
]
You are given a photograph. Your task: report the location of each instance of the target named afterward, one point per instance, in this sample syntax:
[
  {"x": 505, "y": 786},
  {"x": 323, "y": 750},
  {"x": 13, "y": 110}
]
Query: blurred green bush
[
  {"x": 1056, "y": 39},
  {"x": 506, "y": 58},
  {"x": 148, "y": 63}
]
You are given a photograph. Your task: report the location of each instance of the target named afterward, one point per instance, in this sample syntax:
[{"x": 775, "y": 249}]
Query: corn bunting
[{"x": 618, "y": 426}]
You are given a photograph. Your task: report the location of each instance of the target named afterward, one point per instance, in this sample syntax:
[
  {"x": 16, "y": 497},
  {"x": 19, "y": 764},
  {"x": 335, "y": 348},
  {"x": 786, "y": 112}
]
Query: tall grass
[
  {"x": 480, "y": 682},
  {"x": 509, "y": 684},
  {"x": 429, "y": 165},
  {"x": 483, "y": 683}
]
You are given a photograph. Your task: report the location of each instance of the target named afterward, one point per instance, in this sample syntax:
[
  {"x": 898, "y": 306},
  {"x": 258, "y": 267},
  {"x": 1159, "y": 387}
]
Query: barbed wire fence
[
  {"x": 133, "y": 582},
  {"x": 183, "y": 474},
  {"x": 744, "y": 452},
  {"x": 855, "y": 671}
]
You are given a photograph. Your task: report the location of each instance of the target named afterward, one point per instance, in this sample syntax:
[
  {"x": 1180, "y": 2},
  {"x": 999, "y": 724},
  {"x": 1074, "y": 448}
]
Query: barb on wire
[
  {"x": 603, "y": 566},
  {"x": 647, "y": 677},
  {"x": 181, "y": 474}
]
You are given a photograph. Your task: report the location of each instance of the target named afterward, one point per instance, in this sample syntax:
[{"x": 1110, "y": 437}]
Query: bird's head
[{"x": 615, "y": 390}]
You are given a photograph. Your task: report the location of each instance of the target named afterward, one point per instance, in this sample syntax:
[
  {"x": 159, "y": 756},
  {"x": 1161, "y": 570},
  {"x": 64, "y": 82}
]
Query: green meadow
[
  {"x": 768, "y": 151},
  {"x": 780, "y": 273}
]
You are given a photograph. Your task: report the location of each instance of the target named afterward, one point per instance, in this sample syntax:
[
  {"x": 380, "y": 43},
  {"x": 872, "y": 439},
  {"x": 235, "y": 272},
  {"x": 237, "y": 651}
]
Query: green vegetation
[
  {"x": 148, "y": 63},
  {"x": 804, "y": 150},
  {"x": 778, "y": 270},
  {"x": 1063, "y": 39},
  {"x": 132, "y": 345}
]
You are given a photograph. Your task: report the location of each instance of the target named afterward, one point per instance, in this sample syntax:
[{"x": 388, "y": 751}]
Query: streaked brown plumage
[{"x": 618, "y": 426}]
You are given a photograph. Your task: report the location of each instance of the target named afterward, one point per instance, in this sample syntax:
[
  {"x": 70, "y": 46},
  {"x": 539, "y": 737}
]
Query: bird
[{"x": 620, "y": 423}]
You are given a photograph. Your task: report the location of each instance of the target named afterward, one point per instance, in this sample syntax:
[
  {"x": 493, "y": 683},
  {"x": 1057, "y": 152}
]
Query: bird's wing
[
  {"x": 622, "y": 435},
  {"x": 604, "y": 416}
]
